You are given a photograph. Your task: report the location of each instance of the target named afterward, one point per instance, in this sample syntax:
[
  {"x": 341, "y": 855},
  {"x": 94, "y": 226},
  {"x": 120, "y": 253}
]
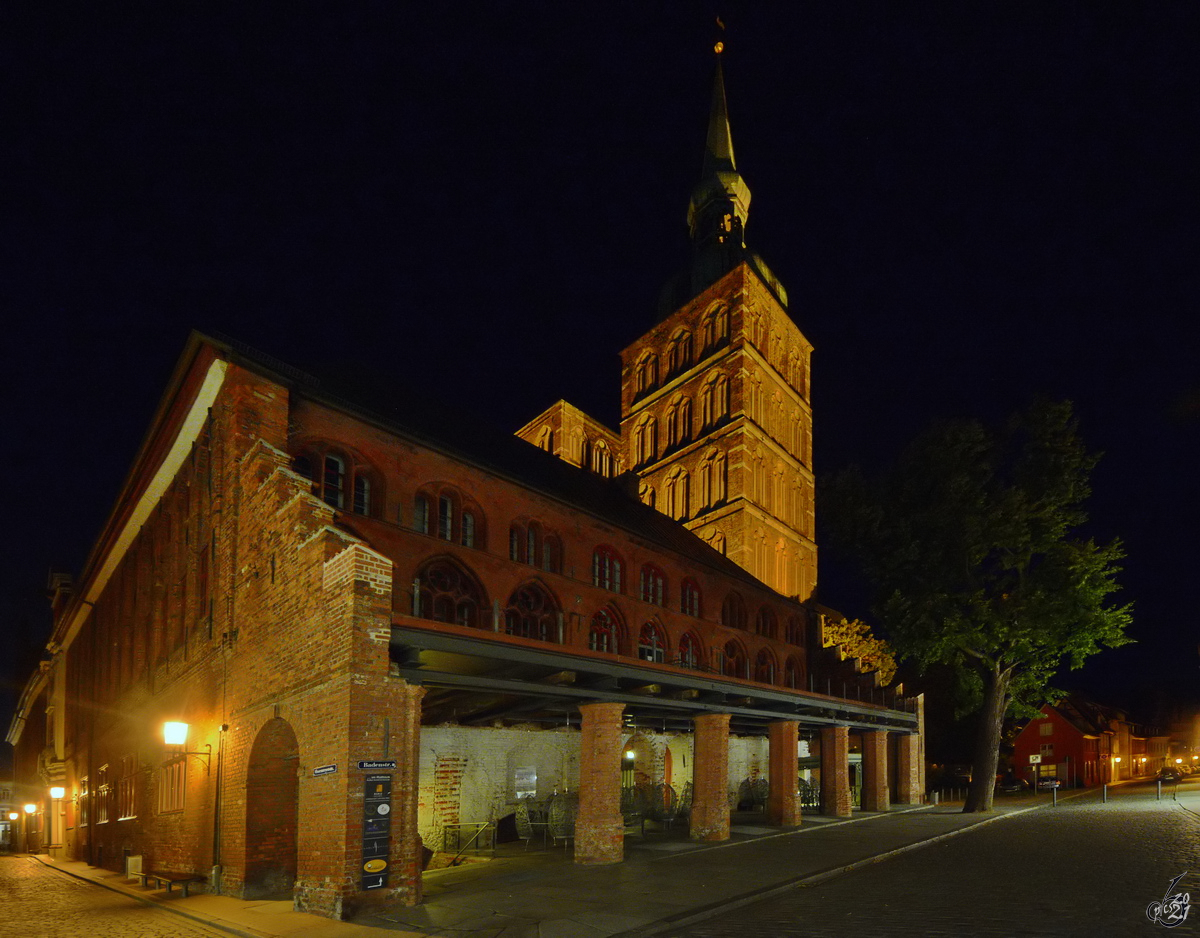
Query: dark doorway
[{"x": 272, "y": 803}]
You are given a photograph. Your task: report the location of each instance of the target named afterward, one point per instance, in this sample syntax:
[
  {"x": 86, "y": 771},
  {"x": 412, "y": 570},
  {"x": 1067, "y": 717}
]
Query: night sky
[{"x": 970, "y": 204}]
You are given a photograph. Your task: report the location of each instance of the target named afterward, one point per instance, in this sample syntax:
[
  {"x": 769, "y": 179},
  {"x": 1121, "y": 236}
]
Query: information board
[{"x": 377, "y": 830}]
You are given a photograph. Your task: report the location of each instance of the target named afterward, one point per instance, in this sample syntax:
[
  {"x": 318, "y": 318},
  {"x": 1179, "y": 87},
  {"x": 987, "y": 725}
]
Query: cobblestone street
[
  {"x": 36, "y": 902},
  {"x": 1082, "y": 868}
]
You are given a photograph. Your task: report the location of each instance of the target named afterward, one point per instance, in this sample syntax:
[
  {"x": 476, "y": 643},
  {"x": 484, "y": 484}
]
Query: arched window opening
[
  {"x": 646, "y": 493},
  {"x": 551, "y": 554},
  {"x": 678, "y": 492},
  {"x": 362, "y": 495},
  {"x": 602, "y": 460},
  {"x": 646, "y": 373},
  {"x": 733, "y": 661},
  {"x": 652, "y": 643},
  {"x": 764, "y": 667},
  {"x": 603, "y": 634},
  {"x": 689, "y": 651},
  {"x": 545, "y": 439},
  {"x": 793, "y": 674},
  {"x": 467, "y": 538},
  {"x": 303, "y": 465},
  {"x": 333, "y": 481},
  {"x": 645, "y": 440},
  {"x": 449, "y": 594},
  {"x": 795, "y": 631},
  {"x": 606, "y": 569},
  {"x": 654, "y": 585},
  {"x": 532, "y": 613},
  {"x": 516, "y": 543},
  {"x": 421, "y": 514},
  {"x": 733, "y": 612},
  {"x": 765, "y": 623},
  {"x": 689, "y": 598}
]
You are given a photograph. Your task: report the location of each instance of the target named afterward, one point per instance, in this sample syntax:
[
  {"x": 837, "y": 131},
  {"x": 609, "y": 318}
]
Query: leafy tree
[{"x": 970, "y": 544}]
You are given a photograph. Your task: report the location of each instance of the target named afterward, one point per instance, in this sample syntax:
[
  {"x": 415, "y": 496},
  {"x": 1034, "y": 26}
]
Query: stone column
[
  {"x": 783, "y": 802},
  {"x": 835, "y": 771},
  {"x": 908, "y": 778},
  {"x": 599, "y": 830},
  {"x": 875, "y": 794},
  {"x": 710, "y": 778}
]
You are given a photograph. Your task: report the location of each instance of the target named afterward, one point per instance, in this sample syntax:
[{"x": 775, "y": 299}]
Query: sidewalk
[{"x": 665, "y": 882}]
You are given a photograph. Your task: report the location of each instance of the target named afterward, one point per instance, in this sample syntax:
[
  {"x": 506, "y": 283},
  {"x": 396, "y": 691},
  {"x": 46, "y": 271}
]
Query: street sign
[
  {"x": 324, "y": 770},
  {"x": 1033, "y": 760},
  {"x": 377, "y": 764}
]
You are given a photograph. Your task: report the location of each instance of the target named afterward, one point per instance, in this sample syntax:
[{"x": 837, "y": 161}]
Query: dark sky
[{"x": 969, "y": 204}]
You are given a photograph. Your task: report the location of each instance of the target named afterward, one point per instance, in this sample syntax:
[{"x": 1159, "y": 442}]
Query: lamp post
[{"x": 12, "y": 830}]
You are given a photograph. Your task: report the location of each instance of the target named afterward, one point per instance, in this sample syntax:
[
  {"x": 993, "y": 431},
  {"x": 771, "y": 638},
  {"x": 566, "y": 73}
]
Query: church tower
[{"x": 716, "y": 418}]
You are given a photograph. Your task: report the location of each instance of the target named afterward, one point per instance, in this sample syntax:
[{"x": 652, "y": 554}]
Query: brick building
[
  {"x": 378, "y": 621},
  {"x": 1084, "y": 743}
]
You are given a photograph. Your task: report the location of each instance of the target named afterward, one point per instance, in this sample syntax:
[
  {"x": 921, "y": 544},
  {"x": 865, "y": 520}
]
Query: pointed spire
[
  {"x": 718, "y": 152},
  {"x": 720, "y": 202}
]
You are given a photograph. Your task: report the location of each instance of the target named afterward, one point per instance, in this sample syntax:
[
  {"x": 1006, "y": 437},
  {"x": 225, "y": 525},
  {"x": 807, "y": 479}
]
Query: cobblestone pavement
[
  {"x": 1081, "y": 868},
  {"x": 36, "y": 902}
]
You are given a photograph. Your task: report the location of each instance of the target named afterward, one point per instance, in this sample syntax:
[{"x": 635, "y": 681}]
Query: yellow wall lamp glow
[{"x": 175, "y": 733}]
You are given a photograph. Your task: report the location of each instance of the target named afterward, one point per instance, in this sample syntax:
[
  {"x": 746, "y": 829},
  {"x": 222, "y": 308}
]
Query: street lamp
[{"x": 175, "y": 733}]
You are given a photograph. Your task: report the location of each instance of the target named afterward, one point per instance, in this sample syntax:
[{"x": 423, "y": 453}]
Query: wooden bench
[{"x": 169, "y": 880}]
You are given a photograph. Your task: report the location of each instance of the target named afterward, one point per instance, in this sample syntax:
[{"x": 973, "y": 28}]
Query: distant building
[
  {"x": 380, "y": 626},
  {"x": 1084, "y": 743}
]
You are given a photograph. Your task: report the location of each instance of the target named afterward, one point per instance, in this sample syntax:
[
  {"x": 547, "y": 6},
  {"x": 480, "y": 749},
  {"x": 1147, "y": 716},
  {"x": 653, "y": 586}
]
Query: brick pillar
[
  {"x": 835, "y": 771},
  {"x": 783, "y": 802},
  {"x": 710, "y": 778},
  {"x": 875, "y": 794},
  {"x": 599, "y": 828},
  {"x": 908, "y": 787}
]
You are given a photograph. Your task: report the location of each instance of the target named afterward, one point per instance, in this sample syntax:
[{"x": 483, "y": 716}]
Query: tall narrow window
[
  {"x": 551, "y": 554},
  {"x": 764, "y": 624},
  {"x": 654, "y": 585},
  {"x": 171, "y": 785},
  {"x": 421, "y": 514},
  {"x": 467, "y": 537},
  {"x": 689, "y": 598},
  {"x": 362, "y": 495},
  {"x": 689, "y": 651},
  {"x": 516, "y": 543},
  {"x": 733, "y": 661},
  {"x": 793, "y": 674},
  {"x": 606, "y": 569},
  {"x": 333, "y": 485},
  {"x": 445, "y": 518},
  {"x": 764, "y": 667}
]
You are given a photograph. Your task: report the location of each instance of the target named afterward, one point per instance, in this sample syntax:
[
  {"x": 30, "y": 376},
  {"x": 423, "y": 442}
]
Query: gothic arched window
[
  {"x": 654, "y": 585},
  {"x": 689, "y": 651},
  {"x": 607, "y": 569},
  {"x": 733, "y": 612},
  {"x": 764, "y": 624},
  {"x": 448, "y": 593},
  {"x": 689, "y": 598},
  {"x": 604, "y": 633},
  {"x": 733, "y": 660},
  {"x": 764, "y": 667},
  {"x": 652, "y": 643},
  {"x": 532, "y": 612}
]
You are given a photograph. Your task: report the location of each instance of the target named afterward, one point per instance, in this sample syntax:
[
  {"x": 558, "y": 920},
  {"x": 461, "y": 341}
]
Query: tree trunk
[{"x": 987, "y": 741}]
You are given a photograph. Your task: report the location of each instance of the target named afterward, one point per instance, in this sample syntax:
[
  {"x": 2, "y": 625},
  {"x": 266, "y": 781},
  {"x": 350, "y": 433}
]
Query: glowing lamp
[
  {"x": 31, "y": 809},
  {"x": 57, "y": 792},
  {"x": 12, "y": 815},
  {"x": 175, "y": 733}
]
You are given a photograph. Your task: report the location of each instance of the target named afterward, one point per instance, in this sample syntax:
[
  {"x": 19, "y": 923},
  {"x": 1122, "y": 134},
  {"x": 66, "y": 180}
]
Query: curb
[{"x": 157, "y": 903}]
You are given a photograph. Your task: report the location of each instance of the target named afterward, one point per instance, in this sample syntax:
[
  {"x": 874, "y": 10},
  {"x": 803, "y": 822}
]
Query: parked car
[
  {"x": 1169, "y": 775},
  {"x": 1012, "y": 783},
  {"x": 1048, "y": 782}
]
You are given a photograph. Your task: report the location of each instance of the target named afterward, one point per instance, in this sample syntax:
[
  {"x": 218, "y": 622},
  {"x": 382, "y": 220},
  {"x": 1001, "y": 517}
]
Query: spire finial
[{"x": 719, "y": 45}]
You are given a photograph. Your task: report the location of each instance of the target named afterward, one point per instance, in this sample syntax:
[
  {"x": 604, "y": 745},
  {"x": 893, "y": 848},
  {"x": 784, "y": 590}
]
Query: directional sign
[{"x": 1034, "y": 760}]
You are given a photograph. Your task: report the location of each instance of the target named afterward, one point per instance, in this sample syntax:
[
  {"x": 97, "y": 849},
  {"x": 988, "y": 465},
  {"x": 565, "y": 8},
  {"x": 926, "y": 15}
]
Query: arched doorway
[{"x": 272, "y": 803}]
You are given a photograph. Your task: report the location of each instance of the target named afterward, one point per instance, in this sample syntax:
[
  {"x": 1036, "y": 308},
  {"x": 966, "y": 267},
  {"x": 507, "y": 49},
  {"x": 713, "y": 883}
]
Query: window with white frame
[{"x": 171, "y": 785}]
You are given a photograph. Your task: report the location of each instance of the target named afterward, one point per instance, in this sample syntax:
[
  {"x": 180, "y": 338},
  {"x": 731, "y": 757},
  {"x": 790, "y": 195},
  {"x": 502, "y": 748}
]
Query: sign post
[{"x": 1036, "y": 762}]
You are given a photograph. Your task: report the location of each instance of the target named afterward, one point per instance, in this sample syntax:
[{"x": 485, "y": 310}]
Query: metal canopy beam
[{"x": 807, "y": 706}]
